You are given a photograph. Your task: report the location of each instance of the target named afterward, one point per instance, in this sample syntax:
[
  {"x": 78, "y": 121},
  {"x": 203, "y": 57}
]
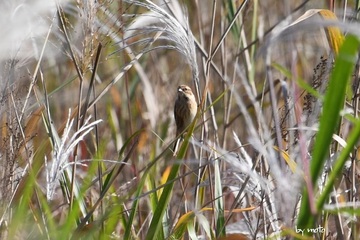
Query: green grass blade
[
  {"x": 333, "y": 104},
  {"x": 219, "y": 204},
  {"x": 339, "y": 164},
  {"x": 156, "y": 221}
]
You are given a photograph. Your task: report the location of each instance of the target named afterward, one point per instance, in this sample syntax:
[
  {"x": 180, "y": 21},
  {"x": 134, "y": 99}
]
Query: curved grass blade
[
  {"x": 329, "y": 121},
  {"x": 156, "y": 221}
]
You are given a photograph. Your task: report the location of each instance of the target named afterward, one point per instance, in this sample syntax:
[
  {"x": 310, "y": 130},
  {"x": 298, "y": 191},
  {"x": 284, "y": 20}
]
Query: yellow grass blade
[{"x": 334, "y": 36}]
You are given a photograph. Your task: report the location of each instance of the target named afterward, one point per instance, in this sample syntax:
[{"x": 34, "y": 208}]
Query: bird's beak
[{"x": 180, "y": 90}]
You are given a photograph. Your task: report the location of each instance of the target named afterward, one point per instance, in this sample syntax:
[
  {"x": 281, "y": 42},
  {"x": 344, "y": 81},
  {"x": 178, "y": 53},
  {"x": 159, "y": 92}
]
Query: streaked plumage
[{"x": 185, "y": 108}]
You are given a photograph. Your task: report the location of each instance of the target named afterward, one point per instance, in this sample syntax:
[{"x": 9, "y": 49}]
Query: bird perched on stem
[{"x": 184, "y": 110}]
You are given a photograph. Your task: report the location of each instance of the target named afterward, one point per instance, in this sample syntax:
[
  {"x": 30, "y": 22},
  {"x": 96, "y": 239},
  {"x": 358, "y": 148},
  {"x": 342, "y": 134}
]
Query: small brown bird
[{"x": 184, "y": 110}]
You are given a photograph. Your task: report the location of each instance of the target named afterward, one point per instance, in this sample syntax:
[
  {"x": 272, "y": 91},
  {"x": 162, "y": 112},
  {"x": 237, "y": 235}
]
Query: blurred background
[{"x": 87, "y": 126}]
